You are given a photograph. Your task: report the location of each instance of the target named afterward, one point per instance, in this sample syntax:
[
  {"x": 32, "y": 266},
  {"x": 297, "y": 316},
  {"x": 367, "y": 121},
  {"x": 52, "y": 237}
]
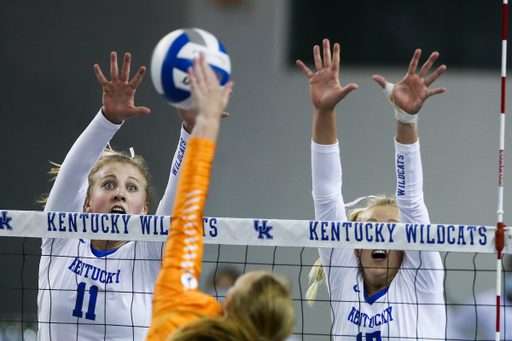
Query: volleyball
[{"x": 172, "y": 57}]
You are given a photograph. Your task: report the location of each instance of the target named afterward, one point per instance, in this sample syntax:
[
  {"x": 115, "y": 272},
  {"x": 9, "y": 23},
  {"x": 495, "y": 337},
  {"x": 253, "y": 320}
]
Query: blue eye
[
  {"x": 109, "y": 185},
  {"x": 132, "y": 188}
]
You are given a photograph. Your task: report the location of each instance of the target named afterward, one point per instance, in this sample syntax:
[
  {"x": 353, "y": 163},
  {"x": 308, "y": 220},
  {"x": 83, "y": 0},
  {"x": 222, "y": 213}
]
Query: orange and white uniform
[{"x": 177, "y": 299}]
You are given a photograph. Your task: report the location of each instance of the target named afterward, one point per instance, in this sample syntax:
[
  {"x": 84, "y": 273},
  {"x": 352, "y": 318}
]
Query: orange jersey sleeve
[{"x": 177, "y": 299}]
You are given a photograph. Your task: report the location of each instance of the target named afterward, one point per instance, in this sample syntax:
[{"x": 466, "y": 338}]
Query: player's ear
[
  {"x": 145, "y": 210},
  {"x": 87, "y": 206},
  {"x": 357, "y": 252}
]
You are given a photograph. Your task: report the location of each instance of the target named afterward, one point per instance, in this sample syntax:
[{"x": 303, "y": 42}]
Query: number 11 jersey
[{"x": 95, "y": 297}]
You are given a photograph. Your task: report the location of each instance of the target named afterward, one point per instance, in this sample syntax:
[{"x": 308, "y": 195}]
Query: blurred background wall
[{"x": 49, "y": 93}]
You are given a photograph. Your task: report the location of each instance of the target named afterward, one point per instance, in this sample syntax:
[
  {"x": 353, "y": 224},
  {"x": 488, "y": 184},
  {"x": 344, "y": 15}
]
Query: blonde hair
[
  {"x": 316, "y": 276},
  {"x": 317, "y": 273},
  {"x": 262, "y": 311},
  {"x": 109, "y": 156}
]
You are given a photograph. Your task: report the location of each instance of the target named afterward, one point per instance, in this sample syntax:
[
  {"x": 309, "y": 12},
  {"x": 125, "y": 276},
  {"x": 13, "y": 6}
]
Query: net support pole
[{"x": 500, "y": 239}]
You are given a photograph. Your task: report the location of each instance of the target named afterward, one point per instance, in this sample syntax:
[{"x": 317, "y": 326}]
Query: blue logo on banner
[
  {"x": 263, "y": 229},
  {"x": 4, "y": 221}
]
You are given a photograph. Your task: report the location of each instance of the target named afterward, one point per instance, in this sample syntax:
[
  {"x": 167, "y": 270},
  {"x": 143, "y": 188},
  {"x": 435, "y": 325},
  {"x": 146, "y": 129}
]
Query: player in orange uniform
[{"x": 258, "y": 307}]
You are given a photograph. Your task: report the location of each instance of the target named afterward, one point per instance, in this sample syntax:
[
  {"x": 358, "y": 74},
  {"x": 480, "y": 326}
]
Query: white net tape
[{"x": 262, "y": 232}]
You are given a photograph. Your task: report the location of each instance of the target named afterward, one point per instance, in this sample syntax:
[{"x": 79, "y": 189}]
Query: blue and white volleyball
[{"x": 172, "y": 57}]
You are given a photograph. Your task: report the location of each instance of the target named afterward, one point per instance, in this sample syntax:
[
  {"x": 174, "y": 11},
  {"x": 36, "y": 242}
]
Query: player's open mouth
[
  {"x": 118, "y": 210},
  {"x": 379, "y": 254}
]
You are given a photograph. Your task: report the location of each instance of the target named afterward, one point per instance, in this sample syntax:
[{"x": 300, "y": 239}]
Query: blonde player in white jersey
[
  {"x": 376, "y": 294},
  {"x": 103, "y": 290}
]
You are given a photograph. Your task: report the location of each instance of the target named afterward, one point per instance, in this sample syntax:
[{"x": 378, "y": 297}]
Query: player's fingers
[
  {"x": 327, "y": 53},
  {"x": 230, "y": 91},
  {"x": 305, "y": 69},
  {"x": 336, "y": 56},
  {"x": 428, "y": 64},
  {"x": 196, "y": 78},
  {"x": 210, "y": 76},
  {"x": 224, "y": 114},
  {"x": 435, "y": 91},
  {"x": 192, "y": 77},
  {"x": 114, "y": 72},
  {"x": 379, "y": 79},
  {"x": 99, "y": 75},
  {"x": 431, "y": 79},
  {"x": 350, "y": 87},
  {"x": 138, "y": 77},
  {"x": 227, "y": 90},
  {"x": 142, "y": 110},
  {"x": 318, "y": 58},
  {"x": 125, "y": 71},
  {"x": 200, "y": 69},
  {"x": 414, "y": 61}
]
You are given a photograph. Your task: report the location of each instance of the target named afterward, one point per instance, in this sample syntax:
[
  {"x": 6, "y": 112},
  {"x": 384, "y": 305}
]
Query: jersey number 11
[{"x": 93, "y": 294}]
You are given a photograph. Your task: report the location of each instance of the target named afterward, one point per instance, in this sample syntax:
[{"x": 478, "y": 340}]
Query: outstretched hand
[
  {"x": 412, "y": 91},
  {"x": 118, "y": 94},
  {"x": 324, "y": 85},
  {"x": 208, "y": 99}
]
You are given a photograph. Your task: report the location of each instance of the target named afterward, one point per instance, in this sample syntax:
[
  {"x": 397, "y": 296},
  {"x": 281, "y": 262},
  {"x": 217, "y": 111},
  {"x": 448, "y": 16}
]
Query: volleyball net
[{"x": 234, "y": 246}]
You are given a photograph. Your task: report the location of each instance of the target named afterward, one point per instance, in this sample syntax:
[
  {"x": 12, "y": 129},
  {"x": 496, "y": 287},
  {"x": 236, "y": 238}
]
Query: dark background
[{"x": 384, "y": 32}]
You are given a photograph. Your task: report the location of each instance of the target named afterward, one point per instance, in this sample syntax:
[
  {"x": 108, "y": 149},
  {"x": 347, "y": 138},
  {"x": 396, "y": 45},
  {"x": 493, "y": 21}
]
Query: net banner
[{"x": 264, "y": 232}]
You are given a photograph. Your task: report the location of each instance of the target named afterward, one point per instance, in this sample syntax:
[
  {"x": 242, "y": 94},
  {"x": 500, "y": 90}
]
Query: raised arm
[
  {"x": 176, "y": 296},
  {"x": 408, "y": 97},
  {"x": 189, "y": 119},
  {"x": 166, "y": 204},
  {"x": 70, "y": 188},
  {"x": 326, "y": 92}
]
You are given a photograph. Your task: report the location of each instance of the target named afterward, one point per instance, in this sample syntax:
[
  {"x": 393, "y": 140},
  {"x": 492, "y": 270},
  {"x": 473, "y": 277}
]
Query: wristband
[{"x": 400, "y": 115}]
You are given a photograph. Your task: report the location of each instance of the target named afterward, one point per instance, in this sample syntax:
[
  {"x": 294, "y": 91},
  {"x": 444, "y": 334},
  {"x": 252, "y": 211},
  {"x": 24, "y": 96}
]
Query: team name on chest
[
  {"x": 96, "y": 274},
  {"x": 362, "y": 319}
]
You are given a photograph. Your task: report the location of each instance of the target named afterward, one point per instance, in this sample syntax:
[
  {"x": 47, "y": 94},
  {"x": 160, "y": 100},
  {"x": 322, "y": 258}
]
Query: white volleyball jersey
[
  {"x": 412, "y": 307},
  {"x": 87, "y": 297}
]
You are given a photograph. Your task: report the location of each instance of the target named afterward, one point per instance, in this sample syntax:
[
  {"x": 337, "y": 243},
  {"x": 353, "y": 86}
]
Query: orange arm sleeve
[{"x": 176, "y": 296}]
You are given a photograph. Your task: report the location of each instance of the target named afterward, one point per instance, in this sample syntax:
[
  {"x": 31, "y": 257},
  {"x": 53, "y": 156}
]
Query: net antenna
[{"x": 500, "y": 239}]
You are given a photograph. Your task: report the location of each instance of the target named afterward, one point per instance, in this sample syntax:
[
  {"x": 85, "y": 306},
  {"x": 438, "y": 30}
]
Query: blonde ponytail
[{"x": 316, "y": 275}]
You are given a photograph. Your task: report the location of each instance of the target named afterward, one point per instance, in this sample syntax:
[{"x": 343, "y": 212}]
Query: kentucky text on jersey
[
  {"x": 179, "y": 157},
  {"x": 96, "y": 274},
  {"x": 362, "y": 319},
  {"x": 400, "y": 172}
]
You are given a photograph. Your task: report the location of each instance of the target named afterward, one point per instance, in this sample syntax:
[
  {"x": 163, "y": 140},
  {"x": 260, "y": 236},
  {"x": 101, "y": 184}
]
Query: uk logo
[
  {"x": 4, "y": 221},
  {"x": 263, "y": 229}
]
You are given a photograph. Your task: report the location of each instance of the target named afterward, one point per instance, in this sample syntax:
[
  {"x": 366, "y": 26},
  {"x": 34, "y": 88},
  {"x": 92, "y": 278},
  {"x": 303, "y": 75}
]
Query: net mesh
[{"x": 470, "y": 281}]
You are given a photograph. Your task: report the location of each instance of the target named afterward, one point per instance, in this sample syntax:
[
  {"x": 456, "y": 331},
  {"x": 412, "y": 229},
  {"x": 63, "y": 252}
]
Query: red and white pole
[{"x": 500, "y": 239}]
